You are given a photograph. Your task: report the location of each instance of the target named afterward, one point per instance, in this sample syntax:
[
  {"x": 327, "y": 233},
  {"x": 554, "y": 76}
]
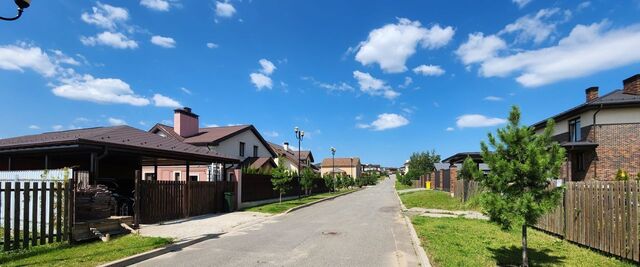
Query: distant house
[
  {"x": 371, "y": 168},
  {"x": 242, "y": 142},
  {"x": 291, "y": 157},
  {"x": 349, "y": 166},
  {"x": 600, "y": 135}
]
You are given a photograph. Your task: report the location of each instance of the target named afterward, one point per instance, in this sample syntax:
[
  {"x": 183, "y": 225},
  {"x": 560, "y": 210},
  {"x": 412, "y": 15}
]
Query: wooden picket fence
[
  {"x": 601, "y": 214},
  {"x": 34, "y": 213},
  {"x": 171, "y": 200},
  {"x": 466, "y": 189}
]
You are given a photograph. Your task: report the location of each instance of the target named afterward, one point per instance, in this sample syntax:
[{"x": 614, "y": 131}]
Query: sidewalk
[{"x": 196, "y": 227}]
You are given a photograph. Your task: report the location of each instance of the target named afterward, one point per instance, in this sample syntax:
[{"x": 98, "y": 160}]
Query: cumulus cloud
[
  {"x": 521, "y": 3},
  {"x": 166, "y": 42},
  {"x": 450, "y": 129},
  {"x": 112, "y": 39},
  {"x": 158, "y": 5},
  {"x": 267, "y": 66},
  {"x": 391, "y": 45},
  {"x": 212, "y": 45},
  {"x": 104, "y": 91},
  {"x": 538, "y": 27},
  {"x": 164, "y": 101},
  {"x": 225, "y": 9},
  {"x": 572, "y": 57},
  {"x": 477, "y": 120},
  {"x": 116, "y": 122},
  {"x": 373, "y": 86},
  {"x": 429, "y": 70},
  {"x": 25, "y": 57},
  {"x": 105, "y": 16},
  {"x": 385, "y": 121},
  {"x": 261, "y": 81},
  {"x": 479, "y": 48}
]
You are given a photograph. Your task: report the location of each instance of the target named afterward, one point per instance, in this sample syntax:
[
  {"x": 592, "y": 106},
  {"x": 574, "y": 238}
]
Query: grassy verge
[
  {"x": 432, "y": 199},
  {"x": 401, "y": 186},
  {"x": 85, "y": 254},
  {"x": 463, "y": 242},
  {"x": 275, "y": 208}
]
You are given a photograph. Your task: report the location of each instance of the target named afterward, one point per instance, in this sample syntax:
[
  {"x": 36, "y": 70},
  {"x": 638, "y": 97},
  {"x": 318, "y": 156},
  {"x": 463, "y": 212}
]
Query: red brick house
[{"x": 601, "y": 135}]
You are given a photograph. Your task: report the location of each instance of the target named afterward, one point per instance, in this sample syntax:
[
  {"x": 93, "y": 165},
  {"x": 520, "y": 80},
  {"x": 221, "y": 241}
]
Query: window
[
  {"x": 579, "y": 161},
  {"x": 176, "y": 176},
  {"x": 241, "y": 149},
  {"x": 575, "y": 134},
  {"x": 193, "y": 178},
  {"x": 150, "y": 176},
  {"x": 255, "y": 151}
]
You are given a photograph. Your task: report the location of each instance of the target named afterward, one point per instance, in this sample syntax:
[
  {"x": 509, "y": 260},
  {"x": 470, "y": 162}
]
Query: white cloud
[
  {"x": 583, "y": 5},
  {"x": 225, "y": 9},
  {"x": 164, "y": 101},
  {"x": 450, "y": 129},
  {"x": 34, "y": 127},
  {"x": 477, "y": 120},
  {"x": 385, "y": 121},
  {"x": 212, "y": 125},
  {"x": 105, "y": 16},
  {"x": 536, "y": 28},
  {"x": 391, "y": 45},
  {"x": 493, "y": 98},
  {"x": 521, "y": 3},
  {"x": 429, "y": 70},
  {"x": 271, "y": 134},
  {"x": 21, "y": 57},
  {"x": 185, "y": 90},
  {"x": 267, "y": 66},
  {"x": 113, "y": 39},
  {"x": 116, "y": 122},
  {"x": 158, "y": 5},
  {"x": 372, "y": 86},
  {"x": 407, "y": 81},
  {"x": 61, "y": 58},
  {"x": 104, "y": 91},
  {"x": 57, "y": 127},
  {"x": 166, "y": 42},
  {"x": 212, "y": 45},
  {"x": 572, "y": 57},
  {"x": 261, "y": 81},
  {"x": 331, "y": 87},
  {"x": 479, "y": 48}
]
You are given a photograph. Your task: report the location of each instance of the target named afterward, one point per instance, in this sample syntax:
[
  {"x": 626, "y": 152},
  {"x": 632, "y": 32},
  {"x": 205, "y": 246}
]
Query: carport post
[
  {"x": 136, "y": 203},
  {"x": 9, "y": 166},
  {"x": 188, "y": 192},
  {"x": 155, "y": 171}
]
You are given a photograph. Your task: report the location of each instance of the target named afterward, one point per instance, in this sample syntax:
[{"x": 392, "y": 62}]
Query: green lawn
[
  {"x": 432, "y": 199},
  {"x": 85, "y": 254},
  {"x": 275, "y": 208},
  {"x": 463, "y": 242},
  {"x": 401, "y": 186}
]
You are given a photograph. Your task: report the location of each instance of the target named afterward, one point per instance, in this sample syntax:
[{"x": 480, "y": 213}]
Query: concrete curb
[
  {"x": 417, "y": 247},
  {"x": 158, "y": 252},
  {"x": 318, "y": 201}
]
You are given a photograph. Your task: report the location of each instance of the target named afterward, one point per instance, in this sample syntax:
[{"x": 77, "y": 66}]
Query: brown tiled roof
[
  {"x": 210, "y": 135},
  {"x": 341, "y": 162},
  {"x": 290, "y": 154},
  {"x": 117, "y": 136},
  {"x": 258, "y": 162}
]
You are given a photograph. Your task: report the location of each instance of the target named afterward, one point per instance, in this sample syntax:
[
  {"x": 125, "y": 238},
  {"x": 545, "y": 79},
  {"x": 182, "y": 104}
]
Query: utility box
[{"x": 428, "y": 185}]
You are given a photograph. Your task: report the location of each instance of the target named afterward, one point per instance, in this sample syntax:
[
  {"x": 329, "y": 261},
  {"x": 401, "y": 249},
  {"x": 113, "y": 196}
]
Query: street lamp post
[
  {"x": 22, "y": 5},
  {"x": 333, "y": 162},
  {"x": 299, "y": 136}
]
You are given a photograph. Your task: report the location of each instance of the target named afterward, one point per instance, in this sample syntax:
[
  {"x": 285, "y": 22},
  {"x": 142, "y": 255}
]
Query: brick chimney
[
  {"x": 592, "y": 93},
  {"x": 185, "y": 122},
  {"x": 286, "y": 146},
  {"x": 632, "y": 85}
]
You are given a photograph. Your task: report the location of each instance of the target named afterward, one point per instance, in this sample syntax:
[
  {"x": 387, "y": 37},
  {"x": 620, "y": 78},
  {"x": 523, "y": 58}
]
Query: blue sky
[{"x": 375, "y": 79}]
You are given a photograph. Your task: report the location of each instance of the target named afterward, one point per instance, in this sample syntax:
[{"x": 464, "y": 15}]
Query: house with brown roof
[
  {"x": 291, "y": 157},
  {"x": 601, "y": 135},
  {"x": 242, "y": 142},
  {"x": 348, "y": 166}
]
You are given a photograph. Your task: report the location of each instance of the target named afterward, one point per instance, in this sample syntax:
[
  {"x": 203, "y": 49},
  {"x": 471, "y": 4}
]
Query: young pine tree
[{"x": 523, "y": 165}]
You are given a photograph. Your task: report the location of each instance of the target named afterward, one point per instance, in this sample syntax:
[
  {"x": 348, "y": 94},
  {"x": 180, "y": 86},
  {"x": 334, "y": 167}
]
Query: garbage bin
[
  {"x": 428, "y": 185},
  {"x": 229, "y": 201}
]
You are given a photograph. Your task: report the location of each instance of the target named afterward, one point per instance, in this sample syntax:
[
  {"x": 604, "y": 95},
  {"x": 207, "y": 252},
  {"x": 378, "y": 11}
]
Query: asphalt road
[{"x": 364, "y": 228}]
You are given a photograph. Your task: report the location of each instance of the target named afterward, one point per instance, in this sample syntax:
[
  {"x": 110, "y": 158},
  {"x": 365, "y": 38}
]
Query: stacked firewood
[{"x": 93, "y": 203}]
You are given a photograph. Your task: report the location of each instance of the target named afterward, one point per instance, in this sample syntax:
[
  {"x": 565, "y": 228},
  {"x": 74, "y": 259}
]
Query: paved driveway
[{"x": 360, "y": 229}]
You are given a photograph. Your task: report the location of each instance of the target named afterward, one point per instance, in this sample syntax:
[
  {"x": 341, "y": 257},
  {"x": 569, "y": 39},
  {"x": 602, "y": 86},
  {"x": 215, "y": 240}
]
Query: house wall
[
  {"x": 231, "y": 146},
  {"x": 165, "y": 173},
  {"x": 605, "y": 116},
  {"x": 355, "y": 171}
]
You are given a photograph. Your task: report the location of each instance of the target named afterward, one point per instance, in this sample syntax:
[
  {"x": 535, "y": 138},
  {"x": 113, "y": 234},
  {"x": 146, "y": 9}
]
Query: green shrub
[
  {"x": 329, "y": 182},
  {"x": 405, "y": 180},
  {"x": 622, "y": 175}
]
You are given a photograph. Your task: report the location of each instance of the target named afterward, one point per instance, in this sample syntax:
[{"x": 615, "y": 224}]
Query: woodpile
[{"x": 94, "y": 202}]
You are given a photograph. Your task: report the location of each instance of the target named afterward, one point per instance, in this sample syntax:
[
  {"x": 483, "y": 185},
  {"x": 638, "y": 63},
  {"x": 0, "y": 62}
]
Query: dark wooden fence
[
  {"x": 257, "y": 187},
  {"x": 466, "y": 189},
  {"x": 171, "y": 200},
  {"x": 601, "y": 215},
  {"x": 34, "y": 213}
]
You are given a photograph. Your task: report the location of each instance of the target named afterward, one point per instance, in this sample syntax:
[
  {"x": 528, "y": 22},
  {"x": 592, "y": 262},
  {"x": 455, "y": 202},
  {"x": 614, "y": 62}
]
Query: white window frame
[
  {"x": 197, "y": 175},
  {"x": 174, "y": 175}
]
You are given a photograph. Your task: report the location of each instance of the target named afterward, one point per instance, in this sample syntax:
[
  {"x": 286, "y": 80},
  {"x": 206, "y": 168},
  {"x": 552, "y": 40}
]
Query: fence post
[
  {"x": 136, "y": 201},
  {"x": 71, "y": 208},
  {"x": 7, "y": 216}
]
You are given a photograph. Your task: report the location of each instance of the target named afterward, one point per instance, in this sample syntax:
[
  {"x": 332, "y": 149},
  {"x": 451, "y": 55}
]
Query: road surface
[{"x": 364, "y": 228}]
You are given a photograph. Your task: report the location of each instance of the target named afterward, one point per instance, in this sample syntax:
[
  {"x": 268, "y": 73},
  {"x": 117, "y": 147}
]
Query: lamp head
[
  {"x": 22, "y": 4},
  {"x": 296, "y": 129},
  {"x": 301, "y": 133}
]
